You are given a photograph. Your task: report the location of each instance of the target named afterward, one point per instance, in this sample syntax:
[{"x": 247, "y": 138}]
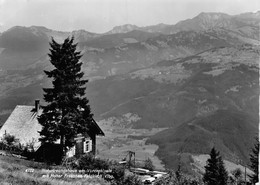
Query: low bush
[
  {"x": 89, "y": 162},
  {"x": 11, "y": 144},
  {"x": 178, "y": 178},
  {"x": 118, "y": 174},
  {"x": 132, "y": 180}
]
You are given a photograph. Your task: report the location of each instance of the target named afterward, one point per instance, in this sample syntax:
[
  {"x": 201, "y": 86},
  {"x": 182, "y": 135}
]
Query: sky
[{"x": 100, "y": 16}]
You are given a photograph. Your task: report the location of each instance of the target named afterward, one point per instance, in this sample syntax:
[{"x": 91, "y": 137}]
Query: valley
[{"x": 121, "y": 138}]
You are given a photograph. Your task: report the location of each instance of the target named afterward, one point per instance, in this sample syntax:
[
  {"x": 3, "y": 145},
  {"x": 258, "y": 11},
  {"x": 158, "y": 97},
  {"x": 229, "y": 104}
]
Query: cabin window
[{"x": 87, "y": 146}]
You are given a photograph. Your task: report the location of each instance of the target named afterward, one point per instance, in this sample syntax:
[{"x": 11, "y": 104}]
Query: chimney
[{"x": 37, "y": 105}]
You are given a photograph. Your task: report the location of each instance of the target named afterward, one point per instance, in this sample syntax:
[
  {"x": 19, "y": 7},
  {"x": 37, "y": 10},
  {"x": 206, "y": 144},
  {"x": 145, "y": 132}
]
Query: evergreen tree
[
  {"x": 67, "y": 112},
  {"x": 215, "y": 172},
  {"x": 211, "y": 169},
  {"x": 222, "y": 172},
  {"x": 254, "y": 159}
]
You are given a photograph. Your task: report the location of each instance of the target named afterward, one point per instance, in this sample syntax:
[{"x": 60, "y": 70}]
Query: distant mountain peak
[
  {"x": 81, "y": 31},
  {"x": 42, "y": 28},
  {"x": 212, "y": 15},
  {"x": 123, "y": 28},
  {"x": 212, "y": 20}
]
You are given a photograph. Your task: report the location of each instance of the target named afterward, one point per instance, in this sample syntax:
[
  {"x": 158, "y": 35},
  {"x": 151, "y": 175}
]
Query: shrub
[
  {"x": 237, "y": 176},
  {"x": 120, "y": 178},
  {"x": 10, "y": 140},
  {"x": 89, "y": 162},
  {"x": 132, "y": 180},
  {"x": 28, "y": 153},
  {"x": 118, "y": 173},
  {"x": 11, "y": 144},
  {"x": 178, "y": 178}
]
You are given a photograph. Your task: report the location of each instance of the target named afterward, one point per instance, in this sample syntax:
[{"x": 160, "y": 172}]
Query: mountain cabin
[{"x": 23, "y": 124}]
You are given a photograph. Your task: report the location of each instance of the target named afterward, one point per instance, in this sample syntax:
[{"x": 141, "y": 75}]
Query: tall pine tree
[
  {"x": 67, "y": 112},
  {"x": 254, "y": 159},
  {"x": 215, "y": 172}
]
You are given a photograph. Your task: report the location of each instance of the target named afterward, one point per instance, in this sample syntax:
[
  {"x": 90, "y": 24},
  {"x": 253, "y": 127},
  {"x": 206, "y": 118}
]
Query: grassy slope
[{"x": 13, "y": 171}]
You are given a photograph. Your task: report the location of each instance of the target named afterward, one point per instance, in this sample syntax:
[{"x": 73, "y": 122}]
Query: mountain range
[
  {"x": 204, "y": 21},
  {"x": 198, "y": 78}
]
